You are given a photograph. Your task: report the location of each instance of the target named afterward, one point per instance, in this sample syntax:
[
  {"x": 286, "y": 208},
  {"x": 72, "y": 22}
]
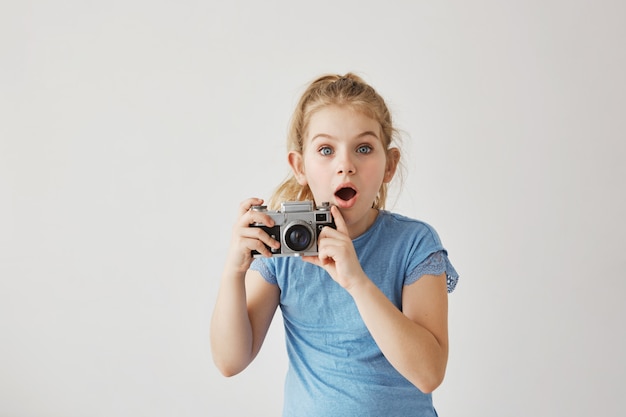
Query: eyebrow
[{"x": 360, "y": 135}]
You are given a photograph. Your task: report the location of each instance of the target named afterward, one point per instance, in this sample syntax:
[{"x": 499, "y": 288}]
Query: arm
[
  {"x": 246, "y": 303},
  {"x": 414, "y": 340},
  {"x": 241, "y": 318}
]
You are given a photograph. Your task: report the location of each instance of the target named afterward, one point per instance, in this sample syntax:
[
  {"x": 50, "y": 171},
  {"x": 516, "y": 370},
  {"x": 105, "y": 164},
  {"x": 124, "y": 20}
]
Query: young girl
[{"x": 366, "y": 320}]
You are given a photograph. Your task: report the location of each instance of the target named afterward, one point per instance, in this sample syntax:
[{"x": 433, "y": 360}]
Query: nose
[{"x": 345, "y": 164}]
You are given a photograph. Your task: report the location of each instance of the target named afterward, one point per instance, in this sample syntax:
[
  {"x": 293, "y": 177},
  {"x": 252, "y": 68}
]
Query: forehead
[{"x": 340, "y": 121}]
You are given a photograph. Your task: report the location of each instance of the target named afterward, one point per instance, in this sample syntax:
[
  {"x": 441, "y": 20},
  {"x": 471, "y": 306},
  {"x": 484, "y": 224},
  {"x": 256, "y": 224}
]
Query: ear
[
  {"x": 393, "y": 159},
  {"x": 297, "y": 166}
]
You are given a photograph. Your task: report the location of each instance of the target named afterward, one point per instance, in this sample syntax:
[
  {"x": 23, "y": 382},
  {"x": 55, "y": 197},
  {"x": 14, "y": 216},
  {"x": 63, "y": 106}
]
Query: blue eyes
[{"x": 327, "y": 151}]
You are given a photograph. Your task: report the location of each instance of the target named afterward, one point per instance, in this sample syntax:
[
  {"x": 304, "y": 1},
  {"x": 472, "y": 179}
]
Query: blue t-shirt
[{"x": 335, "y": 366}]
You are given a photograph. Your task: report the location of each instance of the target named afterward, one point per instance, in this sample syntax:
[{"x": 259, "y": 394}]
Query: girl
[{"x": 366, "y": 320}]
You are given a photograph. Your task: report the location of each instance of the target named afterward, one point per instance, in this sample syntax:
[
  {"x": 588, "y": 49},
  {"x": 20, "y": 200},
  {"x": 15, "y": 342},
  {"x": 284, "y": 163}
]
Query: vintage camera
[{"x": 297, "y": 226}]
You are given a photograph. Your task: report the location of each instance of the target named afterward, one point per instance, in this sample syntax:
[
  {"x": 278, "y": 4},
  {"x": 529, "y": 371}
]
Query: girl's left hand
[{"x": 336, "y": 253}]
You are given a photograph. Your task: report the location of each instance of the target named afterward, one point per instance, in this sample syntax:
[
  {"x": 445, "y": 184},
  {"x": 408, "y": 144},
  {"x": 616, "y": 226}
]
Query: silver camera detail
[{"x": 297, "y": 226}]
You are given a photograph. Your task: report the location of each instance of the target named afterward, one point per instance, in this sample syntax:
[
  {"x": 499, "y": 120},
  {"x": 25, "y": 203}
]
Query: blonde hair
[{"x": 342, "y": 90}]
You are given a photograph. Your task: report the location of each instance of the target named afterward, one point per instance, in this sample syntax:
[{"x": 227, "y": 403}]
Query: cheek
[
  {"x": 312, "y": 166},
  {"x": 377, "y": 169},
  {"x": 315, "y": 178}
]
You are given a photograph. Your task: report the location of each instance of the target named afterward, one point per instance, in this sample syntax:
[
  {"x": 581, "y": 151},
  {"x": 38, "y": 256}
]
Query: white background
[{"x": 131, "y": 130}]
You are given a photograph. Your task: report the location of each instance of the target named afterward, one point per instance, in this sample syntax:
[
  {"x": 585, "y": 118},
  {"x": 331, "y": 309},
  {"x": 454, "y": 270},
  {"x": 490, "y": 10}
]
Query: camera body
[{"x": 297, "y": 226}]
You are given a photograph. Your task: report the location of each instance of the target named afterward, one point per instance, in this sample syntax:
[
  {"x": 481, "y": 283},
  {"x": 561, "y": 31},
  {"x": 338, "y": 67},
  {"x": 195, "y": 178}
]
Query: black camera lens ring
[{"x": 298, "y": 236}]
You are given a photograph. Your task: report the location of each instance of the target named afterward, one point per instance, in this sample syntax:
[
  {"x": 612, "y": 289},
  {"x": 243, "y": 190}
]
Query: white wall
[{"x": 130, "y": 130}]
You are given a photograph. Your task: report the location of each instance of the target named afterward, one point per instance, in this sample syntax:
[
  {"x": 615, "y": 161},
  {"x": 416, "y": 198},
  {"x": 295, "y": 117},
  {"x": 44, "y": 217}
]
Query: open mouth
[{"x": 345, "y": 193}]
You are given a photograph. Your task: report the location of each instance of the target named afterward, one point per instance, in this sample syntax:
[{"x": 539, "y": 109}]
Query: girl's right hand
[{"x": 245, "y": 239}]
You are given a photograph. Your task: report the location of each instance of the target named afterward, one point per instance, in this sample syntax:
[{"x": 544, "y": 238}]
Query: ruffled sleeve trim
[
  {"x": 435, "y": 264},
  {"x": 260, "y": 266}
]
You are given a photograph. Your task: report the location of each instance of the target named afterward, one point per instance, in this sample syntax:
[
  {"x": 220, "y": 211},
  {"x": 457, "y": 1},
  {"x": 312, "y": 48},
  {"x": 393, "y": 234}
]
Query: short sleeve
[
  {"x": 435, "y": 264},
  {"x": 264, "y": 267}
]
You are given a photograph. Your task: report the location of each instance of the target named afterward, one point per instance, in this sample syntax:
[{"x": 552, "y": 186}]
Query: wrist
[
  {"x": 238, "y": 261},
  {"x": 359, "y": 285},
  {"x": 237, "y": 266}
]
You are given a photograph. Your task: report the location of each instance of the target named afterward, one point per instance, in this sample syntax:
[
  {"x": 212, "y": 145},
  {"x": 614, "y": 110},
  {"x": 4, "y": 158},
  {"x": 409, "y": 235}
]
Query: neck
[{"x": 361, "y": 226}]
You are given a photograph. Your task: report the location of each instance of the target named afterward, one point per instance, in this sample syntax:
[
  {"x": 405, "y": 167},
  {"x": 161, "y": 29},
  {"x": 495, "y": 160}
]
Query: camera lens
[{"x": 298, "y": 237}]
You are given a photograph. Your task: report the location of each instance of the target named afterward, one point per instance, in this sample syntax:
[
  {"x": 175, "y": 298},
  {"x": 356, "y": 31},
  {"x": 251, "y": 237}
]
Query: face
[{"x": 344, "y": 162}]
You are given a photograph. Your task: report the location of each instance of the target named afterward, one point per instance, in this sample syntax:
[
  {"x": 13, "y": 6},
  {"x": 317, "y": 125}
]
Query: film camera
[{"x": 297, "y": 226}]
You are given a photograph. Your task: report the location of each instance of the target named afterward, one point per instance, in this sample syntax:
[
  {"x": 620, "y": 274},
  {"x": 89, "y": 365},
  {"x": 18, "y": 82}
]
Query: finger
[
  {"x": 255, "y": 238},
  {"x": 249, "y": 216},
  {"x": 247, "y": 204},
  {"x": 330, "y": 249},
  {"x": 312, "y": 260},
  {"x": 339, "y": 221},
  {"x": 257, "y": 233},
  {"x": 257, "y": 245},
  {"x": 257, "y": 218},
  {"x": 263, "y": 218}
]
